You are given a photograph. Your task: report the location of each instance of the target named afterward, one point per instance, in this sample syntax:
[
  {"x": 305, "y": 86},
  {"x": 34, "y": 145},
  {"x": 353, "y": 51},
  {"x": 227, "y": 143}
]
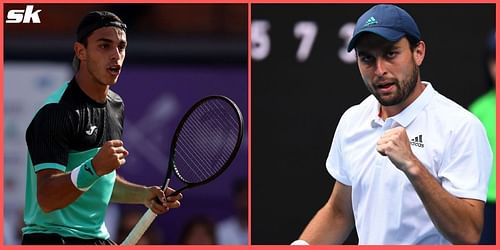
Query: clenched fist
[
  {"x": 110, "y": 157},
  {"x": 394, "y": 143}
]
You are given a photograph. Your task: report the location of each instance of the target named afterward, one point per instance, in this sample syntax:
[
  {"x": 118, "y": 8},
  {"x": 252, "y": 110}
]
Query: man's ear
[
  {"x": 419, "y": 53},
  {"x": 80, "y": 51}
]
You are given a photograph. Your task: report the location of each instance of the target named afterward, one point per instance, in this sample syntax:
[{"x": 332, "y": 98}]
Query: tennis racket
[{"x": 203, "y": 146}]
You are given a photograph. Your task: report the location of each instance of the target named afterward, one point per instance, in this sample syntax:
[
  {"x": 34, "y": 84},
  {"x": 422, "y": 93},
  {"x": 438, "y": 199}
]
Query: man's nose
[
  {"x": 115, "y": 55},
  {"x": 380, "y": 67}
]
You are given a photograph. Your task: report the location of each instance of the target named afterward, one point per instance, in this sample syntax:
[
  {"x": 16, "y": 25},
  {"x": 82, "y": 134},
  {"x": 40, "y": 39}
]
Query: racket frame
[
  {"x": 171, "y": 162},
  {"x": 147, "y": 219}
]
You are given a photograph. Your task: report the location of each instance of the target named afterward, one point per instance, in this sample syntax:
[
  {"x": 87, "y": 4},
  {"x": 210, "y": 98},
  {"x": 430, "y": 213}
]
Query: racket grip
[{"x": 140, "y": 228}]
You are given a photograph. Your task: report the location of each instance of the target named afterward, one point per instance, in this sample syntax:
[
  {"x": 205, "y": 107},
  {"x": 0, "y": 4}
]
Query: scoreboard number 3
[{"x": 345, "y": 33}]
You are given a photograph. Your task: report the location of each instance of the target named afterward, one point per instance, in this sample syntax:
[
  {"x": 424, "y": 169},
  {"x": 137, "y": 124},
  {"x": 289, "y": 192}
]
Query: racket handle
[{"x": 140, "y": 228}]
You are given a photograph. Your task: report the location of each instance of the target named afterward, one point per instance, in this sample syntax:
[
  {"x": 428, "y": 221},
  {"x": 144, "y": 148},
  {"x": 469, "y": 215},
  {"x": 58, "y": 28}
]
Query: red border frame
[{"x": 249, "y": 122}]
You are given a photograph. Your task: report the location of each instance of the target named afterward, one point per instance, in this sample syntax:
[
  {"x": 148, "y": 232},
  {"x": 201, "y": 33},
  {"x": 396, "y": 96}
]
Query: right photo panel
[{"x": 373, "y": 124}]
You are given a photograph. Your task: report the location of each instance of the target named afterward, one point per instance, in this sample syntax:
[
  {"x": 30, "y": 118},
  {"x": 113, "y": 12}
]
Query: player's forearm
[
  {"x": 459, "y": 220},
  {"x": 55, "y": 190},
  {"x": 127, "y": 192},
  {"x": 329, "y": 226}
]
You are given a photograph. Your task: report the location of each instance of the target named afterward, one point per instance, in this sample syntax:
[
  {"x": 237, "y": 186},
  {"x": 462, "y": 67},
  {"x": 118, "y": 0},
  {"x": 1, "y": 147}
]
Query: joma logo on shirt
[{"x": 91, "y": 130}]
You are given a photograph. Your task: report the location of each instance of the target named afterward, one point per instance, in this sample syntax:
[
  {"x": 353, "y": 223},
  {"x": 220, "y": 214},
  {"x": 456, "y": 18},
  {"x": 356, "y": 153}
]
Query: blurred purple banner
[{"x": 156, "y": 97}]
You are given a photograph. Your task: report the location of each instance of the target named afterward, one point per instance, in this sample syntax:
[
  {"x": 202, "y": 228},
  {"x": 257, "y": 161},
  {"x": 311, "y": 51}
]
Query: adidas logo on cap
[{"x": 370, "y": 21}]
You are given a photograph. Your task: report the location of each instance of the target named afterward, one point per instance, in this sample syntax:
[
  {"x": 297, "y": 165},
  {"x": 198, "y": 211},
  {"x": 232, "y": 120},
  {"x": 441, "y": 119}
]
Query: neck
[
  {"x": 93, "y": 89},
  {"x": 388, "y": 111}
]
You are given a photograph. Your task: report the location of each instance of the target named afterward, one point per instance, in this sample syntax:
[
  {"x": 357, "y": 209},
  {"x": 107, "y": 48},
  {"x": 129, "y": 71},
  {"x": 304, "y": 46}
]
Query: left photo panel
[{"x": 125, "y": 124}]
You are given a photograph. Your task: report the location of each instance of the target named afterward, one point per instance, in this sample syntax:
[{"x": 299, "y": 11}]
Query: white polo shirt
[{"x": 449, "y": 141}]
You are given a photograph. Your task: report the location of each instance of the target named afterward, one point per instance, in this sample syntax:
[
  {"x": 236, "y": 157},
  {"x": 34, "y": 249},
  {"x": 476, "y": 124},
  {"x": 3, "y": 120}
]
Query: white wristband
[
  {"x": 84, "y": 176},
  {"x": 300, "y": 243}
]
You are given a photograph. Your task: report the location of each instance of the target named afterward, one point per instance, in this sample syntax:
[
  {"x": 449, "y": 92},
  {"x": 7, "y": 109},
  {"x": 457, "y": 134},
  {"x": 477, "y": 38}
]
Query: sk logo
[{"x": 23, "y": 16}]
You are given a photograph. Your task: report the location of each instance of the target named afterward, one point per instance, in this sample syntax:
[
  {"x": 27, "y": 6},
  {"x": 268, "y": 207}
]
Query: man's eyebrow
[
  {"x": 107, "y": 40},
  {"x": 393, "y": 46}
]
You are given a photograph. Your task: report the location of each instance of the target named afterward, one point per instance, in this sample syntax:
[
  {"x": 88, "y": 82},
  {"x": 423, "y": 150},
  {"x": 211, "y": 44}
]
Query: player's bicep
[
  {"x": 340, "y": 201},
  {"x": 476, "y": 207},
  {"x": 43, "y": 178}
]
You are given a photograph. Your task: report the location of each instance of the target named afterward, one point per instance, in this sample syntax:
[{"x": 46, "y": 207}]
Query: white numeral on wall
[
  {"x": 261, "y": 43},
  {"x": 306, "y": 31},
  {"x": 345, "y": 33}
]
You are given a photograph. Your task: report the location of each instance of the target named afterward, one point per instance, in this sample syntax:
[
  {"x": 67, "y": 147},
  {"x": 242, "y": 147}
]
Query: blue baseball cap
[{"x": 388, "y": 21}]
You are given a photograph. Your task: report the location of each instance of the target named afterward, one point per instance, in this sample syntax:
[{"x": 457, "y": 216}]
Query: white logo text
[{"x": 23, "y": 16}]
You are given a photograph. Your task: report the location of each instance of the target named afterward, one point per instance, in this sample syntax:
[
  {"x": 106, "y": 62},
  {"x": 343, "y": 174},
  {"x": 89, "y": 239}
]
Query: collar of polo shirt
[{"x": 407, "y": 115}]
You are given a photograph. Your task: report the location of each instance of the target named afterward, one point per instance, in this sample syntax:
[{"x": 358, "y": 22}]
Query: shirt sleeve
[
  {"x": 48, "y": 137},
  {"x": 466, "y": 168},
  {"x": 335, "y": 161}
]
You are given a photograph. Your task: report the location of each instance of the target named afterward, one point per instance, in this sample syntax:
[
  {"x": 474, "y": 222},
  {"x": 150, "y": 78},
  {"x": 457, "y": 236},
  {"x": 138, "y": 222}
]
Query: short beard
[{"x": 403, "y": 91}]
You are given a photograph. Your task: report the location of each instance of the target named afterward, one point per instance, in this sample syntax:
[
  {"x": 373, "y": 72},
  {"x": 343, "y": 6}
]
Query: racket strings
[
  {"x": 204, "y": 154},
  {"x": 206, "y": 141},
  {"x": 202, "y": 162}
]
